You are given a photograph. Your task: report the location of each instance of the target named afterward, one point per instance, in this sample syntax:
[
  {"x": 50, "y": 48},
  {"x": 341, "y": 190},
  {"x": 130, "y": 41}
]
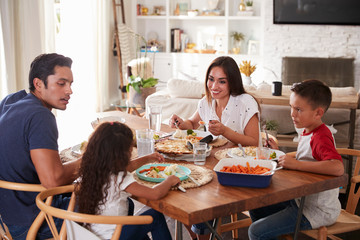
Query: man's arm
[{"x": 51, "y": 171}]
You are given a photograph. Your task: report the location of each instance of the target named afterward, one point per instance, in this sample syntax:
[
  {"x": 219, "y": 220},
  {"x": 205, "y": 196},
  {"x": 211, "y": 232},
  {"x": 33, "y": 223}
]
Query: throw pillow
[{"x": 179, "y": 88}]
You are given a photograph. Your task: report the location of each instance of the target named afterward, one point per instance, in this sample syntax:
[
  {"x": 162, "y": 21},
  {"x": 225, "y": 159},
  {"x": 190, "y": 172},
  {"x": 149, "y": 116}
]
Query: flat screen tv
[{"x": 331, "y": 12}]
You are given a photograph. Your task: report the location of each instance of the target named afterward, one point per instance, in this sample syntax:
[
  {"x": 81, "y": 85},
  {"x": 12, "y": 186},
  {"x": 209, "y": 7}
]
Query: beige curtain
[{"x": 27, "y": 30}]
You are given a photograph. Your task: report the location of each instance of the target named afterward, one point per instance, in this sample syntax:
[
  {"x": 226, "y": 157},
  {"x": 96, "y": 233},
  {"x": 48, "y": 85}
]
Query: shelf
[
  {"x": 197, "y": 18},
  {"x": 244, "y": 17},
  {"x": 207, "y": 32},
  {"x": 151, "y": 17}
]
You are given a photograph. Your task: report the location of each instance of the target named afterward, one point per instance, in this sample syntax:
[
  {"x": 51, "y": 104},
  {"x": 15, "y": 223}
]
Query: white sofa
[{"x": 181, "y": 97}]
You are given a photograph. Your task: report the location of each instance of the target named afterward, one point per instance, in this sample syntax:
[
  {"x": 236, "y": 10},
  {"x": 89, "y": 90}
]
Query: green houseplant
[
  {"x": 137, "y": 83},
  {"x": 272, "y": 126},
  {"x": 141, "y": 79}
]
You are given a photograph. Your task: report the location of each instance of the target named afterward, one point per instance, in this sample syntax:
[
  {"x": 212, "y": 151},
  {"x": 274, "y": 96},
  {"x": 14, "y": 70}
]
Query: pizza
[{"x": 173, "y": 146}]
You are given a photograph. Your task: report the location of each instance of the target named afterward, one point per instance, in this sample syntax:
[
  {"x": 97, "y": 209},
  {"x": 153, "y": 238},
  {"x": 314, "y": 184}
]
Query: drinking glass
[
  {"x": 144, "y": 141},
  {"x": 262, "y": 153},
  {"x": 155, "y": 117},
  {"x": 199, "y": 153}
]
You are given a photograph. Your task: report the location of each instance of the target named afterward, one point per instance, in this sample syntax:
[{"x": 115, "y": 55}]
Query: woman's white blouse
[{"x": 236, "y": 115}]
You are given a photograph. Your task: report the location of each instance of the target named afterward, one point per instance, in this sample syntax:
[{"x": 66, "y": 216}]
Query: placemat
[
  {"x": 199, "y": 173},
  {"x": 222, "y": 153}
]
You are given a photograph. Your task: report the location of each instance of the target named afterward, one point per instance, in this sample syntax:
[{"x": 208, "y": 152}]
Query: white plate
[
  {"x": 76, "y": 150},
  {"x": 198, "y": 134},
  {"x": 278, "y": 153},
  {"x": 107, "y": 119}
]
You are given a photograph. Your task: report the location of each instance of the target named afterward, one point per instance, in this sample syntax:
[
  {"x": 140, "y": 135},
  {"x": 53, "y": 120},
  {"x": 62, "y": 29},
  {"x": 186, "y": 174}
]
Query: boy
[{"x": 316, "y": 153}]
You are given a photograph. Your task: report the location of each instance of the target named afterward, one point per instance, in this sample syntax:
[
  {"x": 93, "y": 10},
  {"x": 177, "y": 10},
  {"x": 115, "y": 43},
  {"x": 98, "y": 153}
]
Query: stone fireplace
[{"x": 335, "y": 72}]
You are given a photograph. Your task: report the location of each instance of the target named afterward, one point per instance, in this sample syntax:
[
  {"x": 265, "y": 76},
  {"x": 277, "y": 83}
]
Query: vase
[
  {"x": 136, "y": 98},
  {"x": 242, "y": 6},
  {"x": 247, "y": 80},
  {"x": 237, "y": 47}
]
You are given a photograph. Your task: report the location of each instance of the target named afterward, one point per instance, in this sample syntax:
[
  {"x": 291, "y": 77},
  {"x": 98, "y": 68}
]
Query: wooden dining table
[{"x": 213, "y": 200}]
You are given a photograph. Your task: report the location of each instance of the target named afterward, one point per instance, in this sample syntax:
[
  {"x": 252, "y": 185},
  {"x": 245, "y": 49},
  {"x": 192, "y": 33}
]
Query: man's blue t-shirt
[{"x": 25, "y": 124}]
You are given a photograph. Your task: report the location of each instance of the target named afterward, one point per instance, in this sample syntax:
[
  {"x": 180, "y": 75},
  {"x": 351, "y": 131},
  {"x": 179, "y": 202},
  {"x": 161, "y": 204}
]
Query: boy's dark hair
[
  {"x": 44, "y": 65},
  {"x": 316, "y": 92}
]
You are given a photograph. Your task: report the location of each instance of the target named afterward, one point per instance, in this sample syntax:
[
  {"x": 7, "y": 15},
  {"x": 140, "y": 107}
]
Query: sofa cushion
[{"x": 179, "y": 88}]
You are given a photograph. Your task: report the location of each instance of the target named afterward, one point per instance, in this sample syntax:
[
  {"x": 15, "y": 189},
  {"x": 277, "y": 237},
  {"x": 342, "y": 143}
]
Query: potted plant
[
  {"x": 272, "y": 126},
  {"x": 141, "y": 83},
  {"x": 247, "y": 69},
  {"x": 238, "y": 37},
  {"x": 249, "y": 5}
]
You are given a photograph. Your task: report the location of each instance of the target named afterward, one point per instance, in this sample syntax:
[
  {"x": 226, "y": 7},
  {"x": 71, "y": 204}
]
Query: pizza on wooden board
[{"x": 173, "y": 146}]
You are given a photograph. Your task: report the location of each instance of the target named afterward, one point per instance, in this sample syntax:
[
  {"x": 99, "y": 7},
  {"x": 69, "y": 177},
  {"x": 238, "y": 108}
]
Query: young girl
[{"x": 106, "y": 183}]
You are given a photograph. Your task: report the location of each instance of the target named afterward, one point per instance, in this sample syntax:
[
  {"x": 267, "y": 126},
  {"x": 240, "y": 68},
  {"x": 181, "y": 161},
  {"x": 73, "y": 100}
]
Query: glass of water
[
  {"x": 155, "y": 117},
  {"x": 199, "y": 153},
  {"x": 145, "y": 141}
]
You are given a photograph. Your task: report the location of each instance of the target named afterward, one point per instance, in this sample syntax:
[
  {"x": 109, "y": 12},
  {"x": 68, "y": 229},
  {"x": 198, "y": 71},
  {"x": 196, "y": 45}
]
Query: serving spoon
[{"x": 278, "y": 168}]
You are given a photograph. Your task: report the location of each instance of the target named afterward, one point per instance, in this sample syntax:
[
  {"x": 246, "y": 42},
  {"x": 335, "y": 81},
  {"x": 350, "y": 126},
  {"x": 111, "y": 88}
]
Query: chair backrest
[
  {"x": 354, "y": 194},
  {"x": 26, "y": 188},
  {"x": 51, "y": 212}
]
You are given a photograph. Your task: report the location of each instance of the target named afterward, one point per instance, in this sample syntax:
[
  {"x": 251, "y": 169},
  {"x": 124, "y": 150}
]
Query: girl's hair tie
[{"x": 111, "y": 123}]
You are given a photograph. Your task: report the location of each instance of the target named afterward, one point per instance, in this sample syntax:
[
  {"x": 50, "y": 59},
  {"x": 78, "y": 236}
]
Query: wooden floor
[{"x": 243, "y": 232}]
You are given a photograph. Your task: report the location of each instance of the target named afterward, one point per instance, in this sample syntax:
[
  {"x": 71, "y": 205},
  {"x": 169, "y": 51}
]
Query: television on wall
[{"x": 330, "y": 12}]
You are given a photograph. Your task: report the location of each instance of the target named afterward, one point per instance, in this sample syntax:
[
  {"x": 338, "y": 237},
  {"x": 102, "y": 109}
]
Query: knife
[{"x": 179, "y": 170}]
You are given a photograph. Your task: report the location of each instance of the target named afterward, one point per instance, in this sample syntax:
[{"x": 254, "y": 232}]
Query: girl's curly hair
[{"x": 107, "y": 153}]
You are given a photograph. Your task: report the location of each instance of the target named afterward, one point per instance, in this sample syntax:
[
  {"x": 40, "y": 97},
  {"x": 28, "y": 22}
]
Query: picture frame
[
  {"x": 184, "y": 6},
  {"x": 254, "y": 47}
]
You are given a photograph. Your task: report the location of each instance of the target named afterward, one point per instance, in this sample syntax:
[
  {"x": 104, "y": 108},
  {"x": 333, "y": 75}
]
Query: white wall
[{"x": 293, "y": 40}]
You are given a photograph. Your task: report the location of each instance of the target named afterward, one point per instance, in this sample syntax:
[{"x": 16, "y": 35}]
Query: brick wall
[{"x": 295, "y": 40}]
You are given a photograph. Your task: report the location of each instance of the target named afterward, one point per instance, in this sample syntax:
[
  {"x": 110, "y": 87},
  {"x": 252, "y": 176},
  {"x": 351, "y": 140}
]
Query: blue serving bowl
[{"x": 244, "y": 180}]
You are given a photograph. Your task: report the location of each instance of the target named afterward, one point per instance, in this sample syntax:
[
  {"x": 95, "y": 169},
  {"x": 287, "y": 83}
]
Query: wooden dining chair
[
  {"x": 26, "y": 188},
  {"x": 347, "y": 221},
  {"x": 70, "y": 216}
]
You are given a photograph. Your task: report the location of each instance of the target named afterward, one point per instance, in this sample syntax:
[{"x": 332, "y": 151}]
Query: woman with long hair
[{"x": 226, "y": 107}]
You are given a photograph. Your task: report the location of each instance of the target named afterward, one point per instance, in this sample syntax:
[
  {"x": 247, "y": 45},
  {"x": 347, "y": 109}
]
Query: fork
[{"x": 242, "y": 149}]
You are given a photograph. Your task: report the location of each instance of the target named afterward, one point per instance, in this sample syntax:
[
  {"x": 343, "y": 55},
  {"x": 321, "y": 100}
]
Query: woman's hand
[
  {"x": 216, "y": 127},
  {"x": 175, "y": 120}
]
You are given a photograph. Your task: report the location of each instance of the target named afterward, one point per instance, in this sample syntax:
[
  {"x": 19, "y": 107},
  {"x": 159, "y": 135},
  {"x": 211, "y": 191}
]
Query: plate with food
[
  {"x": 79, "y": 149},
  {"x": 184, "y": 134},
  {"x": 155, "y": 172},
  {"x": 250, "y": 153},
  {"x": 178, "y": 149}
]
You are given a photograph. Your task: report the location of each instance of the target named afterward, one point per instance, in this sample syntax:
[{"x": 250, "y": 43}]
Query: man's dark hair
[
  {"x": 44, "y": 65},
  {"x": 317, "y": 93}
]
